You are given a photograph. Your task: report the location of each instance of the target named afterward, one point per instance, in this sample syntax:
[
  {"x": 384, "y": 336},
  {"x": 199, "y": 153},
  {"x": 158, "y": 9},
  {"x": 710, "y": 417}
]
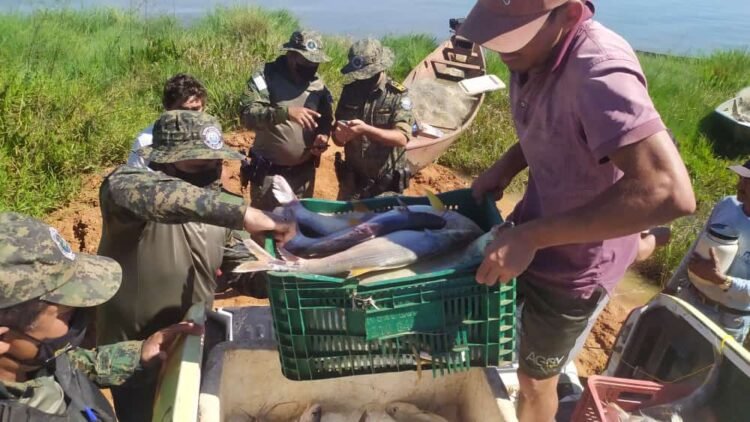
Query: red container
[{"x": 629, "y": 394}]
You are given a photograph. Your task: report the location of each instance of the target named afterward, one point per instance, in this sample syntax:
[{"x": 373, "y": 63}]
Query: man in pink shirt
[{"x": 602, "y": 168}]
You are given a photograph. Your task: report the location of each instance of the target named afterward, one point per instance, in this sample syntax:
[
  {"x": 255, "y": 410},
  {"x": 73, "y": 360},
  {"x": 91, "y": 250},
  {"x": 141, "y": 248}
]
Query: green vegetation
[{"x": 77, "y": 86}]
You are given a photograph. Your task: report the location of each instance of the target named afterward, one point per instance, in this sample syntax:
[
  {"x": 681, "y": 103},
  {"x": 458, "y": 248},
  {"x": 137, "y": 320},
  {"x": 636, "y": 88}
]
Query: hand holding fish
[
  {"x": 257, "y": 221},
  {"x": 506, "y": 257}
]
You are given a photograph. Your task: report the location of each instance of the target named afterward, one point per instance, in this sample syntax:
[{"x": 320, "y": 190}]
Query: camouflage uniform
[
  {"x": 169, "y": 237},
  {"x": 282, "y": 146},
  {"x": 37, "y": 263},
  {"x": 372, "y": 168}
]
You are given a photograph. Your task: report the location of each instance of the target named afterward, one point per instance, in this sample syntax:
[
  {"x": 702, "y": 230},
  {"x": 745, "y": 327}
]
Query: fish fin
[
  {"x": 264, "y": 259},
  {"x": 435, "y": 201},
  {"x": 402, "y": 205},
  {"x": 359, "y": 271},
  {"x": 359, "y": 206},
  {"x": 282, "y": 191},
  {"x": 287, "y": 256}
]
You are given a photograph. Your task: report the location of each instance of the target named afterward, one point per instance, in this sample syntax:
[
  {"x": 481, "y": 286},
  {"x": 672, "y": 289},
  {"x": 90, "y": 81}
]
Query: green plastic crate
[
  {"x": 312, "y": 308},
  {"x": 311, "y": 357}
]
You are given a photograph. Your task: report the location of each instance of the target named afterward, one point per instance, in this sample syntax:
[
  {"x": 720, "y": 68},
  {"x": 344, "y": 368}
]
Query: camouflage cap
[
  {"x": 367, "y": 58},
  {"x": 37, "y": 263},
  {"x": 309, "y": 44},
  {"x": 188, "y": 135}
]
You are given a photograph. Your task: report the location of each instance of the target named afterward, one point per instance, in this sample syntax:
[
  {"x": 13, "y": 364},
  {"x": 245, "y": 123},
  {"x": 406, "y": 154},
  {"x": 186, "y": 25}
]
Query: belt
[
  {"x": 702, "y": 298},
  {"x": 276, "y": 168}
]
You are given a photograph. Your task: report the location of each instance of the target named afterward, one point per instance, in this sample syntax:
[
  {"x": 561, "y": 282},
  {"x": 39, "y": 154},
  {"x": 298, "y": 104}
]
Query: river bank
[{"x": 77, "y": 85}]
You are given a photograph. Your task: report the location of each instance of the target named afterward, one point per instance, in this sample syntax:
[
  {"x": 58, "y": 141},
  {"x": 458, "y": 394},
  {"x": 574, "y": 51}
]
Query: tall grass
[{"x": 76, "y": 86}]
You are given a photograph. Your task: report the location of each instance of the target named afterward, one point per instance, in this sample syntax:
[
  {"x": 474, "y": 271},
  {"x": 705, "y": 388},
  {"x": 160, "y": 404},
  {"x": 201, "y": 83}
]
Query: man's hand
[
  {"x": 506, "y": 257},
  {"x": 303, "y": 116},
  {"x": 257, "y": 222},
  {"x": 4, "y": 347},
  {"x": 157, "y": 345},
  {"x": 489, "y": 182},
  {"x": 342, "y": 135},
  {"x": 707, "y": 269},
  {"x": 320, "y": 144},
  {"x": 358, "y": 127}
]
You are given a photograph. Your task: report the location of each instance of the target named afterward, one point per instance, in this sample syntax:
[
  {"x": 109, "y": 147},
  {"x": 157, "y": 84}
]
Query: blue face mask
[{"x": 49, "y": 349}]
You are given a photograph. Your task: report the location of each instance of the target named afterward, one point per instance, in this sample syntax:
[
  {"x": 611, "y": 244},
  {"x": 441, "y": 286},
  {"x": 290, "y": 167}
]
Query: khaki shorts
[{"x": 551, "y": 323}]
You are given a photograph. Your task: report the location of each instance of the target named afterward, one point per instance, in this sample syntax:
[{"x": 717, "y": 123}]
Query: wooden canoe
[{"x": 454, "y": 60}]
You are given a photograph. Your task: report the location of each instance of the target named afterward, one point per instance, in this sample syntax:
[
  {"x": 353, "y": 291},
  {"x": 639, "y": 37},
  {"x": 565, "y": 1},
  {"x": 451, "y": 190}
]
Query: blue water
[{"x": 668, "y": 26}]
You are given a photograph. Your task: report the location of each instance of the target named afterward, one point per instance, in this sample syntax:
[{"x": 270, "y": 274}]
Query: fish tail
[
  {"x": 282, "y": 191},
  {"x": 264, "y": 262}
]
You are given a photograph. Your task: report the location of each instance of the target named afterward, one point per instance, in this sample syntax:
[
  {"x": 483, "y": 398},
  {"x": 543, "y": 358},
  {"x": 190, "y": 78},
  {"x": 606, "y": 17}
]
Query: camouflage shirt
[
  {"x": 170, "y": 238},
  {"x": 106, "y": 366},
  {"x": 388, "y": 107},
  {"x": 264, "y": 108}
]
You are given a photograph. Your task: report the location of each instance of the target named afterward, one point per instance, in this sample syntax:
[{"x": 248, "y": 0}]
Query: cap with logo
[
  {"x": 506, "y": 25},
  {"x": 37, "y": 263},
  {"x": 367, "y": 58},
  {"x": 742, "y": 170},
  {"x": 188, "y": 135},
  {"x": 309, "y": 44}
]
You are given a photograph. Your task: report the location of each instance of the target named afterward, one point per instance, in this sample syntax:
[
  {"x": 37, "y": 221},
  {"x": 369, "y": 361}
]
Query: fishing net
[
  {"x": 742, "y": 111},
  {"x": 440, "y": 103}
]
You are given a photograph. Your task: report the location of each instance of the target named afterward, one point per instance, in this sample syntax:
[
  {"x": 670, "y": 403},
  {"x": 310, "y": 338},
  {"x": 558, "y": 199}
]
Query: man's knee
[{"x": 535, "y": 388}]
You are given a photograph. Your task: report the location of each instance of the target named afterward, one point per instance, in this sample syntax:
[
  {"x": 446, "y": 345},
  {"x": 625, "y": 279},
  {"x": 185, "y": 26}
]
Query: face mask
[
  {"x": 307, "y": 73},
  {"x": 366, "y": 85},
  {"x": 49, "y": 349},
  {"x": 201, "y": 179}
]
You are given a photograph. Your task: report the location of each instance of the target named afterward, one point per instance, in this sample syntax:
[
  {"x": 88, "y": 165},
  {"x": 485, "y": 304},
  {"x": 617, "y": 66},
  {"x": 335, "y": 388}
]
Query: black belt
[
  {"x": 276, "y": 168},
  {"x": 714, "y": 304}
]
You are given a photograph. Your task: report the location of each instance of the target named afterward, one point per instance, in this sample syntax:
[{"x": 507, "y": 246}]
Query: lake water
[{"x": 666, "y": 26}]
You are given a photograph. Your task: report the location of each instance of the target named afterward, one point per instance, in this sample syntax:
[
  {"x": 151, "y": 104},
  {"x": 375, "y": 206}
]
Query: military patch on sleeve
[
  {"x": 406, "y": 103},
  {"x": 397, "y": 86},
  {"x": 260, "y": 82}
]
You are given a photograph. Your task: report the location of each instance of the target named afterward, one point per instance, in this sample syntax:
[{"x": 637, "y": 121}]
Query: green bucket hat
[
  {"x": 188, "y": 135},
  {"x": 309, "y": 44},
  {"x": 37, "y": 263},
  {"x": 367, "y": 58}
]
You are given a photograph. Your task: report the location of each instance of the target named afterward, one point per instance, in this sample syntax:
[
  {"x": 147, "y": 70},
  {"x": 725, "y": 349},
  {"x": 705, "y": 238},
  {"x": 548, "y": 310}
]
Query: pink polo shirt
[{"x": 569, "y": 119}]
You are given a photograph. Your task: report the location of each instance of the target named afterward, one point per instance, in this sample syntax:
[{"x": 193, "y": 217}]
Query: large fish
[
  {"x": 394, "y": 250},
  {"x": 325, "y": 224},
  {"x": 407, "y": 412},
  {"x": 380, "y": 225},
  {"x": 469, "y": 257},
  {"x": 319, "y": 224}
]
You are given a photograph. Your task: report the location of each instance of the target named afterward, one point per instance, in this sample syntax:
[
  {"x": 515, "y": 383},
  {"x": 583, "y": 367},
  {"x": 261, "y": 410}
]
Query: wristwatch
[{"x": 726, "y": 284}]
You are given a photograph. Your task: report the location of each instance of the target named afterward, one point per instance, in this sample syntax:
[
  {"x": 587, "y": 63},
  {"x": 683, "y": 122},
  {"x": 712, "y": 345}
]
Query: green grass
[{"x": 75, "y": 87}]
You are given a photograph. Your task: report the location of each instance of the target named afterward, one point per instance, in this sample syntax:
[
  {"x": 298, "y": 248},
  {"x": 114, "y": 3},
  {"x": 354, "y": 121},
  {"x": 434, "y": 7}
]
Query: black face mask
[
  {"x": 365, "y": 86},
  {"x": 49, "y": 349},
  {"x": 201, "y": 179},
  {"x": 306, "y": 73}
]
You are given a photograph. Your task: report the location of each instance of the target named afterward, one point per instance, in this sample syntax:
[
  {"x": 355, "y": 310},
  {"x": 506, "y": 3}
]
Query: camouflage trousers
[{"x": 301, "y": 178}]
